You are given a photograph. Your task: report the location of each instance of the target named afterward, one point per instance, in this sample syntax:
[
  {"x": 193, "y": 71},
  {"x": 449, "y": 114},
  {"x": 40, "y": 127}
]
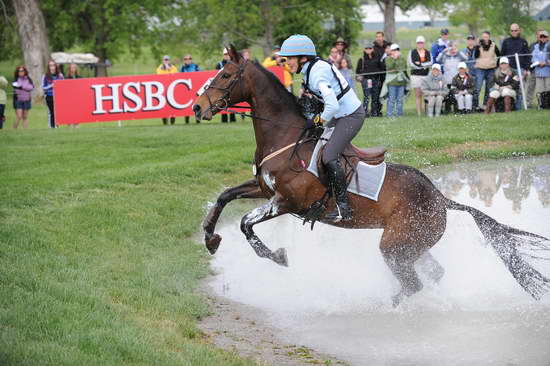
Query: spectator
[
  {"x": 22, "y": 86},
  {"x": 449, "y": 59},
  {"x": 335, "y": 57},
  {"x": 440, "y": 45},
  {"x": 371, "y": 64},
  {"x": 434, "y": 89},
  {"x": 380, "y": 47},
  {"x": 245, "y": 53},
  {"x": 347, "y": 73},
  {"x": 277, "y": 60},
  {"x": 189, "y": 66},
  {"x": 541, "y": 63},
  {"x": 505, "y": 86},
  {"x": 468, "y": 52},
  {"x": 516, "y": 44},
  {"x": 219, "y": 66},
  {"x": 486, "y": 54},
  {"x": 167, "y": 68},
  {"x": 531, "y": 78},
  {"x": 73, "y": 74},
  {"x": 342, "y": 47},
  {"x": 274, "y": 54},
  {"x": 52, "y": 74},
  {"x": 396, "y": 81},
  {"x": 463, "y": 87},
  {"x": 3, "y": 99},
  {"x": 419, "y": 61}
]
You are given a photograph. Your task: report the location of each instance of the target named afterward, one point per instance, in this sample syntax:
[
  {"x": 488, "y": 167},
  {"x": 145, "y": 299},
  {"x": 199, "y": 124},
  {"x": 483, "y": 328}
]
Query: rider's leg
[{"x": 345, "y": 129}]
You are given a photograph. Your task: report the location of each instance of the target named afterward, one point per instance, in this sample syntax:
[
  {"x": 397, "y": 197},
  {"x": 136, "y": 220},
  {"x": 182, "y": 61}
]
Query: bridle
[{"x": 224, "y": 102}]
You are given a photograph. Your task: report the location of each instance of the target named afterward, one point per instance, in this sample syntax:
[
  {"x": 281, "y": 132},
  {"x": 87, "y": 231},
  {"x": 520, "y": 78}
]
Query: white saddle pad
[{"x": 367, "y": 180}]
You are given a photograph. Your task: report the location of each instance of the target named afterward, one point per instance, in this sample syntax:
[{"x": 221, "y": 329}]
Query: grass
[{"x": 99, "y": 259}]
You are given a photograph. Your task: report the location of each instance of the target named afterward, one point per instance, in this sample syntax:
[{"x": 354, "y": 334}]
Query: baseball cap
[
  {"x": 444, "y": 31},
  {"x": 436, "y": 66},
  {"x": 394, "y": 47},
  {"x": 504, "y": 60},
  {"x": 462, "y": 65},
  {"x": 369, "y": 44},
  {"x": 166, "y": 57},
  {"x": 420, "y": 39},
  {"x": 471, "y": 36},
  {"x": 543, "y": 33}
]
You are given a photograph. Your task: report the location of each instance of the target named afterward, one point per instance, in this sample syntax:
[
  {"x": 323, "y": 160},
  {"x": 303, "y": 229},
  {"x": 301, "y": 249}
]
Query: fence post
[{"x": 520, "y": 74}]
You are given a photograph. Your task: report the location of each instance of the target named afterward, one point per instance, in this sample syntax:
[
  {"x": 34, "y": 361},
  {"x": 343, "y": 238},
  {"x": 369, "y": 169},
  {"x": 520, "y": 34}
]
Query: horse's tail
[{"x": 512, "y": 246}]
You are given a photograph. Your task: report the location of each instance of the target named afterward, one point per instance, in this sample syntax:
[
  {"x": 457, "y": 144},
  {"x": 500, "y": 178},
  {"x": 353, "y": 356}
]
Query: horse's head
[{"x": 225, "y": 90}]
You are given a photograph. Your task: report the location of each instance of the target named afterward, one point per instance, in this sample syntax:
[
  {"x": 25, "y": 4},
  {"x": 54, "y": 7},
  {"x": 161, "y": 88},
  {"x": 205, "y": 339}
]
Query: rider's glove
[{"x": 315, "y": 121}]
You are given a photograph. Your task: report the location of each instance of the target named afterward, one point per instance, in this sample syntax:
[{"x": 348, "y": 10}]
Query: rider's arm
[{"x": 331, "y": 102}]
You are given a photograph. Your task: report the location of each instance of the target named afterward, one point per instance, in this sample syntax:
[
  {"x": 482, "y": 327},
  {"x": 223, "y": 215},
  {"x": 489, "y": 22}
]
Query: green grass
[{"x": 99, "y": 257}]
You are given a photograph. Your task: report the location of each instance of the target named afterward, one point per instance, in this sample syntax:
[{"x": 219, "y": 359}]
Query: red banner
[{"x": 130, "y": 97}]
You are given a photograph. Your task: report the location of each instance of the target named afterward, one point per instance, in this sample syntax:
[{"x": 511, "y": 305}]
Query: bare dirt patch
[{"x": 243, "y": 329}]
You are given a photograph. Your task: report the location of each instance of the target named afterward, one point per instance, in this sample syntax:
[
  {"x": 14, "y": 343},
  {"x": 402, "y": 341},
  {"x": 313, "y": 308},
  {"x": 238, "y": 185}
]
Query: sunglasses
[
  {"x": 514, "y": 30},
  {"x": 187, "y": 58}
]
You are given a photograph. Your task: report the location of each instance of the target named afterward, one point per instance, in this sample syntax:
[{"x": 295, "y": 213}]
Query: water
[{"x": 335, "y": 296}]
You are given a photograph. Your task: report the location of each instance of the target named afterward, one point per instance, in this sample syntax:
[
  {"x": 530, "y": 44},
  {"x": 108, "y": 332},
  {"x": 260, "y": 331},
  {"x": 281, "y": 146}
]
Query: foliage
[
  {"x": 265, "y": 23},
  {"x": 495, "y": 15},
  {"x": 10, "y": 46}
]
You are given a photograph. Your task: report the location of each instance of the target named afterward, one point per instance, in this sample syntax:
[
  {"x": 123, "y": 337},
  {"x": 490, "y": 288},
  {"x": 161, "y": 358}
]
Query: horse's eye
[{"x": 225, "y": 76}]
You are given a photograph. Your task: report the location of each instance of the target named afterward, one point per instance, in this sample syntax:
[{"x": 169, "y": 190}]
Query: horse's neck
[{"x": 277, "y": 126}]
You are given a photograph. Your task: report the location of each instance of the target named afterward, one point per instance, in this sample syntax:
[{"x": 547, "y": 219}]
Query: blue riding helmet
[{"x": 298, "y": 45}]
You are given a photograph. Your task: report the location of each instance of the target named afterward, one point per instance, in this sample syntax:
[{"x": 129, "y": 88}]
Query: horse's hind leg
[
  {"x": 431, "y": 267},
  {"x": 263, "y": 213},
  {"x": 401, "y": 263},
  {"x": 249, "y": 189}
]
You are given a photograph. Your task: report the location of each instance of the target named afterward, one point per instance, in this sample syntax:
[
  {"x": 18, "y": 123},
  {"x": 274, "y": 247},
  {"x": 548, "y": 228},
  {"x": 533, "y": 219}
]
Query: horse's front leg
[
  {"x": 249, "y": 189},
  {"x": 263, "y": 213}
]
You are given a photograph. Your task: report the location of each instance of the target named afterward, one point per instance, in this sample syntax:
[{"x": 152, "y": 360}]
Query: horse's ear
[{"x": 234, "y": 54}]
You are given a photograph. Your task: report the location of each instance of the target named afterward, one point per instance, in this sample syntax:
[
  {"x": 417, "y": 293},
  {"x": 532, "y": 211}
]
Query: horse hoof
[
  {"x": 279, "y": 257},
  {"x": 213, "y": 243}
]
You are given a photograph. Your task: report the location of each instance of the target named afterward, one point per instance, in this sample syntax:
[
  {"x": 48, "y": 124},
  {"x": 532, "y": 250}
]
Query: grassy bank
[{"x": 99, "y": 258}]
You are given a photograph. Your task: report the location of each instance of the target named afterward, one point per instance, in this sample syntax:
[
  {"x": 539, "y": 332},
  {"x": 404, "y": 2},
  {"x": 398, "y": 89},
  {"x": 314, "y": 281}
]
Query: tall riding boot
[
  {"x": 507, "y": 104},
  {"x": 490, "y": 104},
  {"x": 337, "y": 182}
]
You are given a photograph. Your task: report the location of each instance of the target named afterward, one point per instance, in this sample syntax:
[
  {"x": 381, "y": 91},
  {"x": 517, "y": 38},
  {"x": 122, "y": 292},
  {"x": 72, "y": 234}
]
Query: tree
[
  {"x": 34, "y": 40},
  {"x": 470, "y": 13},
  {"x": 10, "y": 45},
  {"x": 265, "y": 23},
  {"x": 106, "y": 28},
  {"x": 388, "y": 8}
]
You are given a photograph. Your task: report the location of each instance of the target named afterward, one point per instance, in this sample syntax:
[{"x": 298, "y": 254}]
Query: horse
[{"x": 411, "y": 211}]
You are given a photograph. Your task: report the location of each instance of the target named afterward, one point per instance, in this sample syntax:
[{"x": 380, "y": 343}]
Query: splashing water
[{"x": 335, "y": 296}]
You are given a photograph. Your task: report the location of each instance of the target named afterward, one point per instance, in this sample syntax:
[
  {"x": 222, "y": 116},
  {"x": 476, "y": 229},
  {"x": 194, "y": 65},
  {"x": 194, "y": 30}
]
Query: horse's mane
[{"x": 285, "y": 96}]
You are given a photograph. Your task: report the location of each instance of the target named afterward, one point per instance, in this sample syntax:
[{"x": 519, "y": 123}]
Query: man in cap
[
  {"x": 342, "y": 111},
  {"x": 441, "y": 44},
  {"x": 531, "y": 78},
  {"x": 506, "y": 85},
  {"x": 541, "y": 64},
  {"x": 370, "y": 72},
  {"x": 167, "y": 68},
  {"x": 516, "y": 44}
]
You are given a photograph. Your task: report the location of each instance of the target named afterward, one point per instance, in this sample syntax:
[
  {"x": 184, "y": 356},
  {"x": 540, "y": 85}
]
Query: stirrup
[{"x": 338, "y": 214}]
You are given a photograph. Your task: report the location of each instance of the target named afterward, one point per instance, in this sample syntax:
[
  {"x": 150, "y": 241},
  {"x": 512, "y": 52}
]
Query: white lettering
[
  {"x": 170, "y": 93},
  {"x": 135, "y": 98},
  {"x": 158, "y": 95},
  {"x": 100, "y": 98}
]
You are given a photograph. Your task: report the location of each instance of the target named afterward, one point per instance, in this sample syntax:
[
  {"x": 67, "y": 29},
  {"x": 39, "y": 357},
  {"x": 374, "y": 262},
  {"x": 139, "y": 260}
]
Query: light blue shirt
[{"x": 323, "y": 83}]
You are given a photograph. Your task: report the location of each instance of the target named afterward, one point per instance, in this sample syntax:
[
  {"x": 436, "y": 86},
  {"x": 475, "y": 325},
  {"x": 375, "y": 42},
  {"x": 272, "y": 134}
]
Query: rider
[{"x": 342, "y": 110}]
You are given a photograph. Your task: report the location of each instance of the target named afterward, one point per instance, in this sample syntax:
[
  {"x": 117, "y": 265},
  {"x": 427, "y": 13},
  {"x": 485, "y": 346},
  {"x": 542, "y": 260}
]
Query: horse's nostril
[{"x": 196, "y": 108}]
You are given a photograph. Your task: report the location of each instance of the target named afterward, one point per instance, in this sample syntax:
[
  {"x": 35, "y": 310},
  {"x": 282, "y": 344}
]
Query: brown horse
[{"x": 410, "y": 209}]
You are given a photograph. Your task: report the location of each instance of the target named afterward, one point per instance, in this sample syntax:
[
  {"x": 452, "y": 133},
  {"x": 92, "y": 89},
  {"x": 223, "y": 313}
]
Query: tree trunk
[
  {"x": 34, "y": 40},
  {"x": 265, "y": 9},
  {"x": 389, "y": 20}
]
